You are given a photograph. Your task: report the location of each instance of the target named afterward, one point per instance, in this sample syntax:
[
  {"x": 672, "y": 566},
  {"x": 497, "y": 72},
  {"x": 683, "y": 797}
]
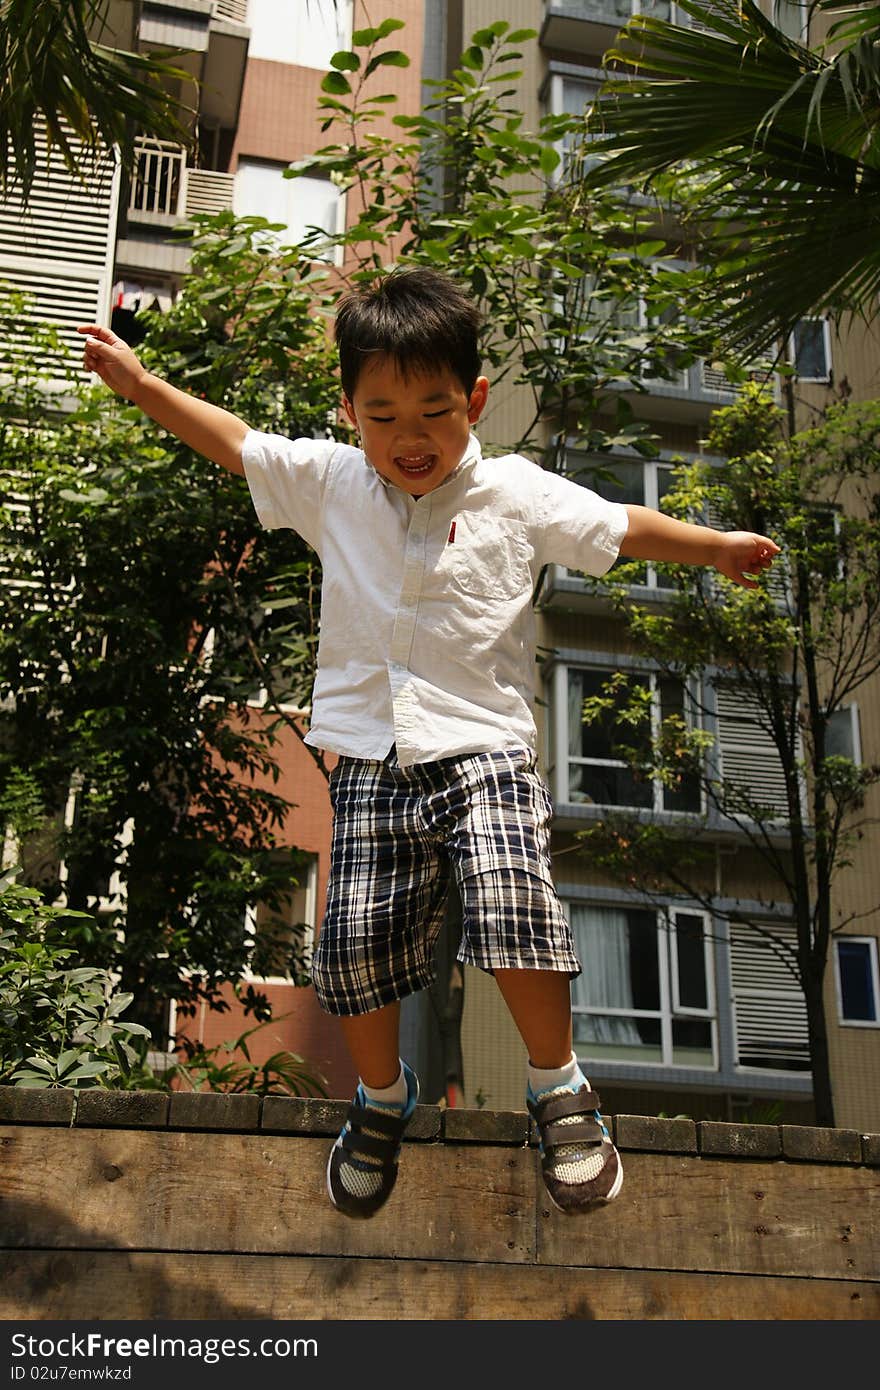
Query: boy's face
[{"x": 414, "y": 430}]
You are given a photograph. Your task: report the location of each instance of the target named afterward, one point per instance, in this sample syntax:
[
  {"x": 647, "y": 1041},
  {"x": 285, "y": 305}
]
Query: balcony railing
[{"x": 164, "y": 188}]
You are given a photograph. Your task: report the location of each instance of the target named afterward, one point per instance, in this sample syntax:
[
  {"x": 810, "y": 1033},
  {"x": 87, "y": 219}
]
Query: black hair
[{"x": 421, "y": 319}]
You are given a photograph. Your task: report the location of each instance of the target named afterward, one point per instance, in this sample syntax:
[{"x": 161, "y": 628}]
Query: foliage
[
  {"x": 579, "y": 294},
  {"x": 60, "y": 1024},
  {"x": 796, "y": 652},
  {"x": 219, "y": 1069},
  {"x": 772, "y": 148},
  {"x": 63, "y": 77},
  {"x": 130, "y": 632}
]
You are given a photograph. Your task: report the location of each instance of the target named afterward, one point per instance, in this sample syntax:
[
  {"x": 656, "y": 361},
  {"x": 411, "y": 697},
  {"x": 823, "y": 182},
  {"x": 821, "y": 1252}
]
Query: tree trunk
[
  {"x": 823, "y": 1097},
  {"x": 447, "y": 999}
]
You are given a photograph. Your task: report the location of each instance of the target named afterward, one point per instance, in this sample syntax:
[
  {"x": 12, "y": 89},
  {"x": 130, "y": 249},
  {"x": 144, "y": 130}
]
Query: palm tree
[
  {"x": 773, "y": 149},
  {"x": 57, "y": 77}
]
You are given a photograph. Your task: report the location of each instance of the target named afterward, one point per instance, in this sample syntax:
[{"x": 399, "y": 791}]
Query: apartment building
[
  {"x": 689, "y": 1014},
  {"x": 676, "y": 1012}
]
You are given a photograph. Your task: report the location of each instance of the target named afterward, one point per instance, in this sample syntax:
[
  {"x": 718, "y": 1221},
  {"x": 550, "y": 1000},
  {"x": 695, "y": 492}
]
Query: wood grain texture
[
  {"x": 677, "y": 1212},
  {"x": 109, "y": 1284},
  {"x": 93, "y": 1189}
]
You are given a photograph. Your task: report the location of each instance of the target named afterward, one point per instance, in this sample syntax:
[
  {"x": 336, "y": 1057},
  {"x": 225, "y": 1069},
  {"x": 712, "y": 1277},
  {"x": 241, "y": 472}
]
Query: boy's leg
[
  {"x": 581, "y": 1166},
  {"x": 373, "y": 1042},
  {"x": 540, "y": 1005},
  {"x": 362, "y": 1167}
]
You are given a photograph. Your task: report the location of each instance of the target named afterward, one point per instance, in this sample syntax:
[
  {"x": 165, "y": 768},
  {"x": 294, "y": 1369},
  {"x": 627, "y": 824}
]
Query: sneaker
[
  {"x": 362, "y": 1168},
  {"x": 580, "y": 1165}
]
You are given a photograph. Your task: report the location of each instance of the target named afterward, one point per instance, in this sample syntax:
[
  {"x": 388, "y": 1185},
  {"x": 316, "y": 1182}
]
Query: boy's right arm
[{"x": 216, "y": 433}]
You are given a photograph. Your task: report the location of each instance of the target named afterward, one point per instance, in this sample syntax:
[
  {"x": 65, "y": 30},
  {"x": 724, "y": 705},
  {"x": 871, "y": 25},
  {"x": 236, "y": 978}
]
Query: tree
[
  {"x": 795, "y": 652},
  {"x": 133, "y": 617},
  {"x": 773, "y": 147},
  {"x": 62, "y": 76}
]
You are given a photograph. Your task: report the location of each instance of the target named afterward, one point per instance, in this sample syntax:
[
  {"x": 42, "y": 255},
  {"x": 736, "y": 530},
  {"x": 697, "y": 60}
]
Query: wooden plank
[
  {"x": 147, "y": 1190},
  {"x": 94, "y": 1285},
  {"x": 679, "y": 1212}
]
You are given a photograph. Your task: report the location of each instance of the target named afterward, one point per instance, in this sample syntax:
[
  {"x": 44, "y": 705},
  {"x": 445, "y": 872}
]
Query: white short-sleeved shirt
[{"x": 427, "y": 627}]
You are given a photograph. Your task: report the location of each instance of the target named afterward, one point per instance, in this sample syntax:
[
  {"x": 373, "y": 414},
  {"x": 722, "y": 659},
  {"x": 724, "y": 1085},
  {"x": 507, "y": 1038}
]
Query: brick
[
  {"x": 30, "y": 1105},
  {"x": 214, "y": 1110},
  {"x": 871, "y": 1150},
  {"x": 486, "y": 1126},
  {"x": 821, "y": 1145},
  {"x": 122, "y": 1109},
  {"x": 650, "y": 1132},
  {"x": 739, "y": 1141}
]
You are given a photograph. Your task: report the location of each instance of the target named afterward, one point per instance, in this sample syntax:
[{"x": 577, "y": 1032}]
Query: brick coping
[{"x": 206, "y": 1111}]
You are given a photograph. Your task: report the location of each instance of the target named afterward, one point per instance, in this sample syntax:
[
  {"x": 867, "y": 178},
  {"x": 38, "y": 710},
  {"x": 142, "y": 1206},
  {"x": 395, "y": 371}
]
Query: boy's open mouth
[{"x": 416, "y": 464}]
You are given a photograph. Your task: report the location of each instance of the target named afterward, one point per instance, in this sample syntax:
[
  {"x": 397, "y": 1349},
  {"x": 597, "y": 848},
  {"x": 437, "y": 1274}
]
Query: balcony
[
  {"x": 164, "y": 192},
  {"x": 214, "y": 37},
  {"x": 589, "y": 27}
]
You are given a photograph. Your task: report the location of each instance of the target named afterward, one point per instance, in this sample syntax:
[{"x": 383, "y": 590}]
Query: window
[
  {"x": 810, "y": 350},
  {"x": 791, "y": 17},
  {"x": 858, "y": 985},
  {"x": 305, "y": 32},
  {"x": 261, "y": 190},
  {"x": 283, "y": 932},
  {"x": 633, "y": 482},
  {"x": 596, "y": 766},
  {"x": 843, "y": 738},
  {"x": 769, "y": 1009},
  {"x": 647, "y": 990}
]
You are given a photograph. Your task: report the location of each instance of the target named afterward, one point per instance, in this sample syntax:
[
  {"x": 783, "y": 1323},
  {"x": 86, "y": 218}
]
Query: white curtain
[{"x": 602, "y": 939}]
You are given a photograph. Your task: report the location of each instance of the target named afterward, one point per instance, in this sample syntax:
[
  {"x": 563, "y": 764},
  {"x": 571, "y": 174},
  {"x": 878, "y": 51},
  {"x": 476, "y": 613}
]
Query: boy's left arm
[{"x": 737, "y": 554}]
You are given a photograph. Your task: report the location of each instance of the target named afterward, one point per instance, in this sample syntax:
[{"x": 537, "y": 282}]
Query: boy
[{"x": 424, "y": 691}]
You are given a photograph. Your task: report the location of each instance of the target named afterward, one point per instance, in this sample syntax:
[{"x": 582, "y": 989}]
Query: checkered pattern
[{"x": 398, "y": 835}]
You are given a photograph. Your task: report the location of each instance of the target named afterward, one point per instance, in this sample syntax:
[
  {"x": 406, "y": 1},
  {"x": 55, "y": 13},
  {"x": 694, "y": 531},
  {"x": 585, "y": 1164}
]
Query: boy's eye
[
  {"x": 433, "y": 415},
  {"x": 382, "y": 419}
]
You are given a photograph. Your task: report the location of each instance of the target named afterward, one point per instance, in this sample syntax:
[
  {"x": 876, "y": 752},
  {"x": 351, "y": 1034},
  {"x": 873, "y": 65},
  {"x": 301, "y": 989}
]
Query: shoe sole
[{"x": 594, "y": 1201}]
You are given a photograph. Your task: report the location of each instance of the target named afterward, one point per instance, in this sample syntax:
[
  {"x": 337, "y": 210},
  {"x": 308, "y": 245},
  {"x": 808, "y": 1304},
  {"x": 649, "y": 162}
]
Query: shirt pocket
[{"x": 490, "y": 557}]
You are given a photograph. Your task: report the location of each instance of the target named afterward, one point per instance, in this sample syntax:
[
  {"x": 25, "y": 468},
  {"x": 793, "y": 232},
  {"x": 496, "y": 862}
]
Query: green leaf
[
  {"x": 345, "y": 61},
  {"x": 392, "y": 58},
  {"x": 389, "y": 26},
  {"x": 549, "y": 160},
  {"x": 336, "y": 84}
]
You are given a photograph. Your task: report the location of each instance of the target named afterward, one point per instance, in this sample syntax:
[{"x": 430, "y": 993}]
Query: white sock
[
  {"x": 548, "y": 1078},
  {"x": 395, "y": 1094}
]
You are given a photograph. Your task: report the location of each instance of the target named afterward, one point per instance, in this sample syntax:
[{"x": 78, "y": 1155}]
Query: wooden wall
[{"x": 141, "y": 1205}]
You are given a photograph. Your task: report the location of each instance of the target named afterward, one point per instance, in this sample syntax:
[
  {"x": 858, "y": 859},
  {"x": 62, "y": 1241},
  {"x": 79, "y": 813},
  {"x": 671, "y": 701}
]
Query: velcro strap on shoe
[
  {"x": 385, "y": 1121},
  {"x": 566, "y": 1103},
  {"x": 582, "y": 1132},
  {"x": 357, "y": 1143}
]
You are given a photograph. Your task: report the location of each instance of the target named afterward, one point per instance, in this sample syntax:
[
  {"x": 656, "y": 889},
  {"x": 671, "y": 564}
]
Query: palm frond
[
  {"x": 774, "y": 152},
  {"x": 58, "y": 81}
]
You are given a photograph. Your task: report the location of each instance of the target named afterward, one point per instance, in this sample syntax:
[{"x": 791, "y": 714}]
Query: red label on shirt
[{"x": 451, "y": 537}]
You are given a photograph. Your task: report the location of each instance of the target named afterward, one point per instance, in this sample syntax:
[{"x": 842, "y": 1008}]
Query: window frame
[
  {"x": 826, "y": 347},
  {"x": 669, "y": 1010},
  {"x": 560, "y": 760},
  {"x": 310, "y": 921},
  {"x": 873, "y": 961}
]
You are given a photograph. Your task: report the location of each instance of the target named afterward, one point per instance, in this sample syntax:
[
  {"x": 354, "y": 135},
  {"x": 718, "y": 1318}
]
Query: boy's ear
[
  {"x": 349, "y": 410},
  {"x": 477, "y": 399}
]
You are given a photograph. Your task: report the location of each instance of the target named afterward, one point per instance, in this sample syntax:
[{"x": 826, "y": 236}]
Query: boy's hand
[
  {"x": 741, "y": 554},
  {"x": 112, "y": 360}
]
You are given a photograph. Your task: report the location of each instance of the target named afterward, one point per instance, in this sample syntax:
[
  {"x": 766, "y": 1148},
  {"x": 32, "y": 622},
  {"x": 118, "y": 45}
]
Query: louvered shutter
[
  {"x": 769, "y": 1009},
  {"x": 60, "y": 248},
  {"x": 748, "y": 756}
]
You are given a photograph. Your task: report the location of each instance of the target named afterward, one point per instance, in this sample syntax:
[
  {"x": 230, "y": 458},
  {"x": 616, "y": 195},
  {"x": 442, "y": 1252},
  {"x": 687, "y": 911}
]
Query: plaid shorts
[{"x": 398, "y": 835}]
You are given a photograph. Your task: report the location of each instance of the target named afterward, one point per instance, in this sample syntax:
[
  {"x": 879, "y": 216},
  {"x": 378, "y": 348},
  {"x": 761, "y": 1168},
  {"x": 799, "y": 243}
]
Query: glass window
[
  {"x": 261, "y": 190},
  {"x": 843, "y": 734},
  {"x": 305, "y": 32},
  {"x": 857, "y": 982},
  {"x": 602, "y": 753},
  {"x": 810, "y": 350},
  {"x": 282, "y": 930},
  {"x": 791, "y": 17},
  {"x": 646, "y": 993},
  {"x": 631, "y": 482}
]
